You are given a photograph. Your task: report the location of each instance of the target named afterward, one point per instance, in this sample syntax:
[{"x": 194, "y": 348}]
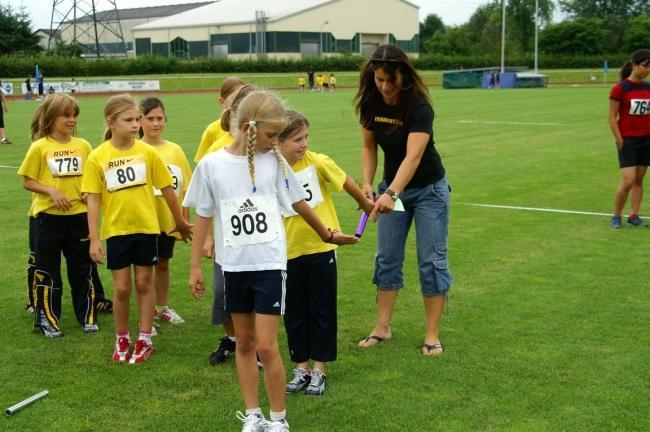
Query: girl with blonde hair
[
  {"x": 244, "y": 186},
  {"x": 120, "y": 176}
]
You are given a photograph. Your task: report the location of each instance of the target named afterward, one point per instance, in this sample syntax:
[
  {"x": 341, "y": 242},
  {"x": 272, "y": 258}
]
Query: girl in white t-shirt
[{"x": 244, "y": 186}]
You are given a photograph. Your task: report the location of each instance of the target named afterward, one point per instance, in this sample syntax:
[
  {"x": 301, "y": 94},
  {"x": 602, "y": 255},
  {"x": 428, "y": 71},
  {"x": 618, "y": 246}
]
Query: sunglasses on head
[{"x": 381, "y": 61}]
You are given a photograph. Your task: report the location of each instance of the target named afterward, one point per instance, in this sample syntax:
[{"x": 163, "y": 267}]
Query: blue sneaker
[
  {"x": 636, "y": 221},
  {"x": 616, "y": 222}
]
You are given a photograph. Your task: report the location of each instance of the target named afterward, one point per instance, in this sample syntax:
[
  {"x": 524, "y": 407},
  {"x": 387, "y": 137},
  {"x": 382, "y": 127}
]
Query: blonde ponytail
[{"x": 250, "y": 151}]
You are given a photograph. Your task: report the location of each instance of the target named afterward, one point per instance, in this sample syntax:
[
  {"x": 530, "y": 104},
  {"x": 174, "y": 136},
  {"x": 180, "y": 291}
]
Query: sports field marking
[
  {"x": 510, "y": 123},
  {"x": 9, "y": 166},
  {"x": 546, "y": 210}
]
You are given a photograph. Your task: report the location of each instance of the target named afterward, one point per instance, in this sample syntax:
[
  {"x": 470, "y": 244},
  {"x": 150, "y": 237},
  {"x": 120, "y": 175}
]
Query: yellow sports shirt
[
  {"x": 179, "y": 168},
  {"x": 301, "y": 238},
  {"x": 125, "y": 180},
  {"x": 52, "y": 163},
  {"x": 222, "y": 142},
  {"x": 211, "y": 133}
]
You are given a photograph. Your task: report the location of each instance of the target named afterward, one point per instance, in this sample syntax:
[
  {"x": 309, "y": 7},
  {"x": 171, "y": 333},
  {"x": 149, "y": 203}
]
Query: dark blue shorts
[
  {"x": 136, "y": 249},
  {"x": 635, "y": 152},
  {"x": 166, "y": 246},
  {"x": 260, "y": 291}
]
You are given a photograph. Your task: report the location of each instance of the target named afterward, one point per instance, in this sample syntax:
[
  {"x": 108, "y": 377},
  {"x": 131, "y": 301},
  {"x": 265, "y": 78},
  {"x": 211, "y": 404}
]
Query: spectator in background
[
  {"x": 3, "y": 109},
  {"x": 30, "y": 91},
  {"x": 310, "y": 79},
  {"x": 41, "y": 89}
]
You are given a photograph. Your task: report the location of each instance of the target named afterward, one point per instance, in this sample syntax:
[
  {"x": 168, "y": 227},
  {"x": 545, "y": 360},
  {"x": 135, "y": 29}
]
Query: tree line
[{"x": 588, "y": 27}]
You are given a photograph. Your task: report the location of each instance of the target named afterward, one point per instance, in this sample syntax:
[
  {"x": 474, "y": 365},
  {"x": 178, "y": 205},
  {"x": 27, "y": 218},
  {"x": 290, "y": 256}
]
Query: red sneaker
[
  {"x": 143, "y": 350},
  {"x": 121, "y": 352}
]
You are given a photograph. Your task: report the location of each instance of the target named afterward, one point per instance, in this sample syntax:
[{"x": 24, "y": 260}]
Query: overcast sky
[{"x": 452, "y": 12}]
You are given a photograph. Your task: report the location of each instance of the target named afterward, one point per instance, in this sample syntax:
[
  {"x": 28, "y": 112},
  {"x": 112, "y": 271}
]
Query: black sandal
[{"x": 432, "y": 347}]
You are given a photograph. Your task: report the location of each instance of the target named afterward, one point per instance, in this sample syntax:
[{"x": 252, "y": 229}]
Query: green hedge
[{"x": 18, "y": 67}]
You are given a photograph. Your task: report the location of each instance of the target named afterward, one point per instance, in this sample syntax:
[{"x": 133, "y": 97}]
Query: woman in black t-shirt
[{"x": 396, "y": 115}]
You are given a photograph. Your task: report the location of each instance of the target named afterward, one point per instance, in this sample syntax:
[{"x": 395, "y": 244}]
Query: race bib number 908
[
  {"x": 247, "y": 221},
  {"x": 64, "y": 163},
  {"x": 639, "y": 106},
  {"x": 125, "y": 172}
]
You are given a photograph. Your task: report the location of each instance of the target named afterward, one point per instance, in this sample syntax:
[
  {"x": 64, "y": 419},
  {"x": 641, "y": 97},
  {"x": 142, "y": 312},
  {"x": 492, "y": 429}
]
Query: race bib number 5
[
  {"x": 247, "y": 221},
  {"x": 63, "y": 163},
  {"x": 308, "y": 178},
  {"x": 177, "y": 180},
  {"x": 125, "y": 172},
  {"x": 639, "y": 106}
]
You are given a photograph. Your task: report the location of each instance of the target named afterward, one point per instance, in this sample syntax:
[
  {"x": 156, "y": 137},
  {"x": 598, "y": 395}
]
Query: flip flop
[
  {"x": 429, "y": 348},
  {"x": 377, "y": 339}
]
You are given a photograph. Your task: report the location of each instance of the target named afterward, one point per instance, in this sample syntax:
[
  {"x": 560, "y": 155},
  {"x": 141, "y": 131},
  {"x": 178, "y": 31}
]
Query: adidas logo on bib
[
  {"x": 277, "y": 304},
  {"x": 247, "y": 207}
]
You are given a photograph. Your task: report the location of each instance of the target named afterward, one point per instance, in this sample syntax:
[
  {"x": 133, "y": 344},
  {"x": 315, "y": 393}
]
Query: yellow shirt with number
[
  {"x": 301, "y": 238},
  {"x": 179, "y": 168},
  {"x": 125, "y": 180},
  {"x": 211, "y": 133},
  {"x": 52, "y": 163},
  {"x": 222, "y": 142}
]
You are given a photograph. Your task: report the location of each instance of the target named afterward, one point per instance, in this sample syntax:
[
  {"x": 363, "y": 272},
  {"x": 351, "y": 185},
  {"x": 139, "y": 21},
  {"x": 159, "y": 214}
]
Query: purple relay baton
[
  {"x": 362, "y": 225},
  {"x": 362, "y": 222}
]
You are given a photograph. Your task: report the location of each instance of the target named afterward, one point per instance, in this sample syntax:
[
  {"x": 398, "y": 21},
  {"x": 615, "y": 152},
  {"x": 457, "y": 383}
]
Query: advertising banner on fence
[
  {"x": 98, "y": 86},
  {"x": 8, "y": 89}
]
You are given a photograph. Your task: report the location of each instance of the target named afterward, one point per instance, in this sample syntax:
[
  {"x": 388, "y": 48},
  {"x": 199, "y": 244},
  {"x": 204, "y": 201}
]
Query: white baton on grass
[{"x": 30, "y": 400}]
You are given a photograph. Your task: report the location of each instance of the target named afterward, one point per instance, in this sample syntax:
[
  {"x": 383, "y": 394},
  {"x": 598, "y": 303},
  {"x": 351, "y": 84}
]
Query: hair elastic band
[{"x": 252, "y": 123}]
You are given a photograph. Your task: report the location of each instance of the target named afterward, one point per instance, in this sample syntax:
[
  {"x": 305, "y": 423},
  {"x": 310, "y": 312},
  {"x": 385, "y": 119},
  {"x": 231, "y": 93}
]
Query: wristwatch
[{"x": 391, "y": 194}]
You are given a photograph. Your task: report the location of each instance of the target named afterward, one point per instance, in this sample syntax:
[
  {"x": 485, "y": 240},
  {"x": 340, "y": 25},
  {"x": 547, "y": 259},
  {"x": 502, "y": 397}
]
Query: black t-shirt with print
[{"x": 391, "y": 135}]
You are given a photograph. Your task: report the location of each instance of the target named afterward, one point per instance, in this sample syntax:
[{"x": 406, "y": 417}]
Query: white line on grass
[
  {"x": 510, "y": 123},
  {"x": 9, "y": 166},
  {"x": 547, "y": 210}
]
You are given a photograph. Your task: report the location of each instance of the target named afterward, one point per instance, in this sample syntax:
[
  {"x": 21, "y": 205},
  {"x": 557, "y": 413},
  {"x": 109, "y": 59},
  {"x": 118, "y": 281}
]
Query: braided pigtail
[
  {"x": 250, "y": 151},
  {"x": 283, "y": 166}
]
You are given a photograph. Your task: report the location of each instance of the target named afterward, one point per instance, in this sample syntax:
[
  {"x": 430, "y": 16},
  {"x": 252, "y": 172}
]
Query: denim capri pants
[{"x": 429, "y": 207}]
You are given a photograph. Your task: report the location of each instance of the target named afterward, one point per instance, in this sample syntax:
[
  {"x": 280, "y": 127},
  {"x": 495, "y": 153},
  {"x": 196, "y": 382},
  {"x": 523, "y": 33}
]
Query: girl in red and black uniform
[{"x": 629, "y": 118}]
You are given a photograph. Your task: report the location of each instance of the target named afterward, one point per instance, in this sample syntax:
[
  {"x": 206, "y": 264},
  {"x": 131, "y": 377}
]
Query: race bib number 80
[
  {"x": 639, "y": 106},
  {"x": 247, "y": 221},
  {"x": 125, "y": 172}
]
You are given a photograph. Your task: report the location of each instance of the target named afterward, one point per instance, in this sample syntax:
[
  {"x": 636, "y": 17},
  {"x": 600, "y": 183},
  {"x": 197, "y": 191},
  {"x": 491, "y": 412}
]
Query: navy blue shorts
[
  {"x": 260, "y": 291},
  {"x": 166, "y": 246},
  {"x": 136, "y": 249},
  {"x": 635, "y": 152}
]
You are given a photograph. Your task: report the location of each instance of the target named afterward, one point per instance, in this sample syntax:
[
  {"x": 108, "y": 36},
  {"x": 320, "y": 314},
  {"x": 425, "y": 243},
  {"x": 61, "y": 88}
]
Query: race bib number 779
[{"x": 63, "y": 163}]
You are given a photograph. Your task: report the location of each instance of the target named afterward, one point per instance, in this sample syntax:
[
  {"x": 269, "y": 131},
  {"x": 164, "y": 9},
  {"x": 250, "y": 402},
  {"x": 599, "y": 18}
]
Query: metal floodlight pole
[
  {"x": 536, "y": 33},
  {"x": 503, "y": 36},
  {"x": 320, "y": 42}
]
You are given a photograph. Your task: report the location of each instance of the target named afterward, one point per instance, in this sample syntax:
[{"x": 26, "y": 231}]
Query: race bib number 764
[{"x": 639, "y": 106}]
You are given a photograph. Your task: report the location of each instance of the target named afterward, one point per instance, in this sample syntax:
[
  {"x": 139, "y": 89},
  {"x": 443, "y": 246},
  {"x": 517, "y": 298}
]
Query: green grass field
[{"x": 547, "y": 328}]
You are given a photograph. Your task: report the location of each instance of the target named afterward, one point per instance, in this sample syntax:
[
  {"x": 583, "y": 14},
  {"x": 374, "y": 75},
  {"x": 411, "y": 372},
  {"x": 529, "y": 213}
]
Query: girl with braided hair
[{"x": 243, "y": 187}]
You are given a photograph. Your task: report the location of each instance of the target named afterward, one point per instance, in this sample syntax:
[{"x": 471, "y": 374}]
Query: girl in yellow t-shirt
[
  {"x": 213, "y": 131},
  {"x": 120, "y": 176},
  {"x": 52, "y": 170},
  {"x": 152, "y": 127},
  {"x": 310, "y": 318}
]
